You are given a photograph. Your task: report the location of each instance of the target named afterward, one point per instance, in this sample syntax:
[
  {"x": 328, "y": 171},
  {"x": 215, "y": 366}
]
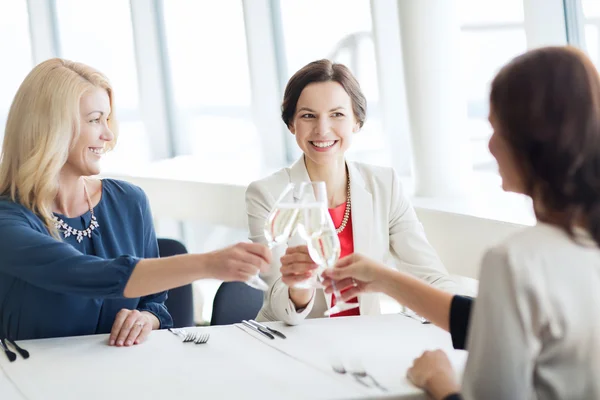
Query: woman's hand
[
  {"x": 296, "y": 265},
  {"x": 132, "y": 327},
  {"x": 356, "y": 273},
  {"x": 433, "y": 373},
  {"x": 239, "y": 262}
]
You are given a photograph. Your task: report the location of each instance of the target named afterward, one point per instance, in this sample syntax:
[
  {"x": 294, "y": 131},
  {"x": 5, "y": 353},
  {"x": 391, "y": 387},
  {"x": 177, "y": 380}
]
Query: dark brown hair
[
  {"x": 547, "y": 104},
  {"x": 323, "y": 71}
]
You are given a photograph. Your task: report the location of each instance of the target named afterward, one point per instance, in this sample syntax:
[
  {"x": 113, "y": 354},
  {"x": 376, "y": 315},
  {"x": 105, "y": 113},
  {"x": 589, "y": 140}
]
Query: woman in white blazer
[
  {"x": 534, "y": 330},
  {"x": 324, "y": 107}
]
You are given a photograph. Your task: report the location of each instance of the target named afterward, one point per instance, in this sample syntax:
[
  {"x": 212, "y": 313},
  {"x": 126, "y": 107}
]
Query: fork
[
  {"x": 202, "y": 338},
  {"x": 184, "y": 335},
  {"x": 363, "y": 374},
  {"x": 190, "y": 337},
  {"x": 415, "y": 317},
  {"x": 178, "y": 332},
  {"x": 339, "y": 368}
]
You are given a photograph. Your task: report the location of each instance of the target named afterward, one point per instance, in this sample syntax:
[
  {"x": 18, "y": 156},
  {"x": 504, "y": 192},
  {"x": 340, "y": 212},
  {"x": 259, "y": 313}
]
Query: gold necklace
[{"x": 348, "y": 206}]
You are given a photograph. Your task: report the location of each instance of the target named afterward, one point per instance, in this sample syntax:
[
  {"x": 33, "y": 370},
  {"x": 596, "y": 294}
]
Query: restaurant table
[{"x": 236, "y": 362}]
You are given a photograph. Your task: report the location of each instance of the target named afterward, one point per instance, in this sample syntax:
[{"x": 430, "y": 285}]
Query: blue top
[{"x": 52, "y": 288}]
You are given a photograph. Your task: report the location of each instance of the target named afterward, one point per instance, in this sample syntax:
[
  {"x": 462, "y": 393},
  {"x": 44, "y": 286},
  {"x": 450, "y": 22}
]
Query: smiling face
[
  {"x": 324, "y": 122},
  {"x": 94, "y": 134}
]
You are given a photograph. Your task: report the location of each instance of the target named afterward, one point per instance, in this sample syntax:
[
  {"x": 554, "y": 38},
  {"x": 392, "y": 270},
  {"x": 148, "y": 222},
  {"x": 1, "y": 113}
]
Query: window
[
  {"x": 341, "y": 31},
  {"x": 206, "y": 45},
  {"x": 100, "y": 35},
  {"x": 14, "y": 24},
  {"x": 591, "y": 13},
  {"x": 492, "y": 34}
]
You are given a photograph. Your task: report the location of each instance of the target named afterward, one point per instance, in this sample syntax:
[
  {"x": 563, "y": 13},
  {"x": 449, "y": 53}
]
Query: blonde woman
[
  {"x": 324, "y": 107},
  {"x": 78, "y": 254}
]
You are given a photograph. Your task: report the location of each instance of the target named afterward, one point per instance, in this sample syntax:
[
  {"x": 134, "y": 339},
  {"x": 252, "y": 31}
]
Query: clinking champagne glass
[
  {"x": 279, "y": 226},
  {"x": 312, "y": 202},
  {"x": 317, "y": 228}
]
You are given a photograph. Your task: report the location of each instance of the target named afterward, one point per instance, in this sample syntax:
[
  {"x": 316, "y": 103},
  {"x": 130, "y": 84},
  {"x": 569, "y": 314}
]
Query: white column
[
  {"x": 544, "y": 23},
  {"x": 264, "y": 77},
  {"x": 437, "y": 106},
  {"x": 156, "y": 97},
  {"x": 43, "y": 29},
  {"x": 390, "y": 74}
]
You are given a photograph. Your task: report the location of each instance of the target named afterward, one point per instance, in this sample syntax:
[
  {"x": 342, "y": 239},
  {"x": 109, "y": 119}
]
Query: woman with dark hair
[
  {"x": 324, "y": 107},
  {"x": 534, "y": 331}
]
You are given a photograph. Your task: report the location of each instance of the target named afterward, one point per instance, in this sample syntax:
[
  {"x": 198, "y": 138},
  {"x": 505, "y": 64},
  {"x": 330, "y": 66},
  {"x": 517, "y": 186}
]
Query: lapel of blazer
[
  {"x": 298, "y": 173},
  {"x": 361, "y": 211},
  {"x": 362, "y": 225}
]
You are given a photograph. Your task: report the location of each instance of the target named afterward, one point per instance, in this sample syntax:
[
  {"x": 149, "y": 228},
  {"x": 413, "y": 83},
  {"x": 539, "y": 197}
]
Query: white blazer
[{"x": 384, "y": 228}]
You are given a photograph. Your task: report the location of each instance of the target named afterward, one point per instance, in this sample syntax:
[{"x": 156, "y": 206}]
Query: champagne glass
[
  {"x": 279, "y": 226},
  {"x": 312, "y": 202},
  {"x": 317, "y": 228}
]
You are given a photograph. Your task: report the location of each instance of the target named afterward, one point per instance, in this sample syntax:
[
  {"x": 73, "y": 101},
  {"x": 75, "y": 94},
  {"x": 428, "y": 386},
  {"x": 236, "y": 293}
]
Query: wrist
[
  {"x": 206, "y": 263},
  {"x": 300, "y": 297},
  {"x": 383, "y": 281},
  {"x": 152, "y": 319},
  {"x": 441, "y": 386}
]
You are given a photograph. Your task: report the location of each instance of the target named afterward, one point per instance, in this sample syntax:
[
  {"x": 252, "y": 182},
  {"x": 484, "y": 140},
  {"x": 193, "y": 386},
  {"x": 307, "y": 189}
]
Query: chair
[
  {"x": 234, "y": 302},
  {"x": 180, "y": 301}
]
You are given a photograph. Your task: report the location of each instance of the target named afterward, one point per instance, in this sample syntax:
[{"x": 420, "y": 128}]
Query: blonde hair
[{"x": 42, "y": 125}]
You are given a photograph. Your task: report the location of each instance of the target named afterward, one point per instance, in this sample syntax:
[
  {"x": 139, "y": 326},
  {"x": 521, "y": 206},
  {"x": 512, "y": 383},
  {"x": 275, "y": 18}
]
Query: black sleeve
[
  {"x": 454, "y": 396},
  {"x": 460, "y": 314}
]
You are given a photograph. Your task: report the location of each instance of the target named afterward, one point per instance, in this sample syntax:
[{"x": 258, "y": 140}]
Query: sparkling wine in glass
[
  {"x": 279, "y": 226},
  {"x": 316, "y": 227},
  {"x": 312, "y": 200}
]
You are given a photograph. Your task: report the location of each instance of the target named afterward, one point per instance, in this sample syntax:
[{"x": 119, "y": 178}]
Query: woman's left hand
[
  {"x": 132, "y": 327},
  {"x": 433, "y": 372}
]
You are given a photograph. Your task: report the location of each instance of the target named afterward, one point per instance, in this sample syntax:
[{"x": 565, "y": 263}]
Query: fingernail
[
  {"x": 111, "y": 342},
  {"x": 129, "y": 343},
  {"x": 120, "y": 343}
]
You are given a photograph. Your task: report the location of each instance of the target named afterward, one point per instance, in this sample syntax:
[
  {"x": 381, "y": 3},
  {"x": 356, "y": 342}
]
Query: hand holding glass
[
  {"x": 317, "y": 228},
  {"x": 279, "y": 226}
]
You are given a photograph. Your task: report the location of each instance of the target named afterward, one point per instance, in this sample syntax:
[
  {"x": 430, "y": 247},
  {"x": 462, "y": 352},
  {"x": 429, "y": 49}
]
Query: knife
[
  {"x": 258, "y": 329},
  {"x": 273, "y": 331},
  {"x": 11, "y": 356}
]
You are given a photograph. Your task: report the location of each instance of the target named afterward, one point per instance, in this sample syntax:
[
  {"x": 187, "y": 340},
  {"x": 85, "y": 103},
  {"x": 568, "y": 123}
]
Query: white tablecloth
[
  {"x": 7, "y": 389},
  {"x": 384, "y": 345},
  {"x": 233, "y": 364}
]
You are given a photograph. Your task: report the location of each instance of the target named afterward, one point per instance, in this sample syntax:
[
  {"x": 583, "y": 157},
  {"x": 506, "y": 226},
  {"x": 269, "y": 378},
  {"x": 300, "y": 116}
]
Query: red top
[{"x": 347, "y": 247}]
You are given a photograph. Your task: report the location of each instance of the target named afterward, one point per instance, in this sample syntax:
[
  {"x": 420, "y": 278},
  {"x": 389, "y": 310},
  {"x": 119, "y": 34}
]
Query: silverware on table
[
  {"x": 363, "y": 374},
  {"x": 415, "y": 317},
  {"x": 11, "y": 355},
  {"x": 178, "y": 332},
  {"x": 359, "y": 374},
  {"x": 197, "y": 338},
  {"x": 258, "y": 329},
  {"x": 24, "y": 353},
  {"x": 202, "y": 338},
  {"x": 339, "y": 368},
  {"x": 273, "y": 331}
]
